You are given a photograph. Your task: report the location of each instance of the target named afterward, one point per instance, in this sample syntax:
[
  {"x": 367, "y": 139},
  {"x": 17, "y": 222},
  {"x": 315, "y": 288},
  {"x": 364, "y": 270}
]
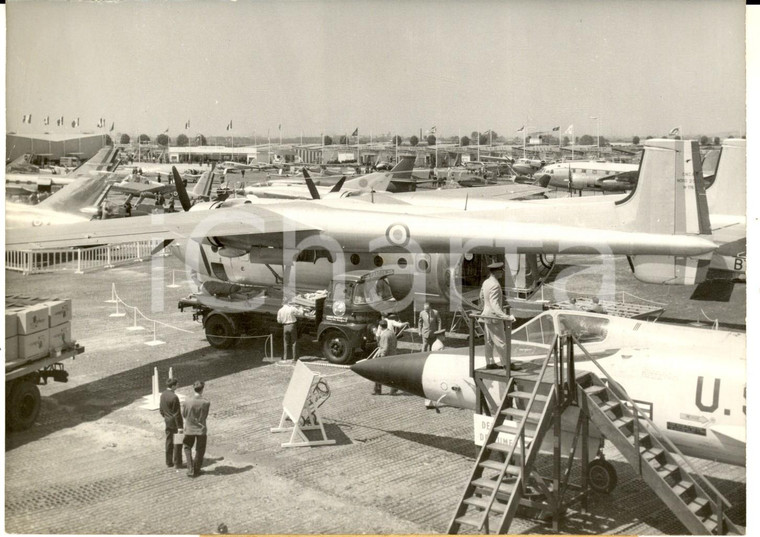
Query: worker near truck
[
  {"x": 171, "y": 411},
  {"x": 286, "y": 317}
]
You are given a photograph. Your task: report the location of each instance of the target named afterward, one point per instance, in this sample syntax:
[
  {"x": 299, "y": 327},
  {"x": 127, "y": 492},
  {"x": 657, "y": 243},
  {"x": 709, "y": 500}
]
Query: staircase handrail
[
  {"x": 656, "y": 429},
  {"x": 520, "y": 432}
]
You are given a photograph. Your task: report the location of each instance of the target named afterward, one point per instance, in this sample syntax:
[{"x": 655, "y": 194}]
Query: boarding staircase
[
  {"x": 504, "y": 475},
  {"x": 657, "y": 460}
]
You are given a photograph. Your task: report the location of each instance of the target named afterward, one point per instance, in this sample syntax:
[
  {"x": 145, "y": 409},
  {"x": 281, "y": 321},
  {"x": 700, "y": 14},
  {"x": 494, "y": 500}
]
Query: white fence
[{"x": 79, "y": 260}]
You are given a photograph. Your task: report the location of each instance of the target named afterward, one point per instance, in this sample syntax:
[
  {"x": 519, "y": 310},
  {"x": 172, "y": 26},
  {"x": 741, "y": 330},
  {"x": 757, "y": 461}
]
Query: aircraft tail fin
[
  {"x": 202, "y": 188},
  {"x": 380, "y": 181},
  {"x": 105, "y": 160},
  {"x": 728, "y": 193},
  {"x": 83, "y": 193},
  {"x": 669, "y": 198}
]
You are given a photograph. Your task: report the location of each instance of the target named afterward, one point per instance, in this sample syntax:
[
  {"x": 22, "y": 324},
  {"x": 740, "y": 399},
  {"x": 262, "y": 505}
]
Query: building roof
[{"x": 56, "y": 136}]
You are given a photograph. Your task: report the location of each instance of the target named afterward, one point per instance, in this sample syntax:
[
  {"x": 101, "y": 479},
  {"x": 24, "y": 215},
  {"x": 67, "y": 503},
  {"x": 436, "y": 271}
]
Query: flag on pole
[
  {"x": 112, "y": 124},
  {"x": 674, "y": 132},
  {"x": 187, "y": 124},
  {"x": 521, "y": 129},
  {"x": 77, "y": 122},
  {"x": 166, "y": 131},
  {"x": 27, "y": 119},
  {"x": 356, "y": 132},
  {"x": 569, "y": 130},
  {"x": 279, "y": 127},
  {"x": 555, "y": 129},
  {"x": 47, "y": 120},
  {"x": 229, "y": 126},
  {"x": 73, "y": 123},
  {"x": 432, "y": 129}
]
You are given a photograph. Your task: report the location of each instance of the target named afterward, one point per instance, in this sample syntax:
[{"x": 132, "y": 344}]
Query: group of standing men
[{"x": 188, "y": 420}]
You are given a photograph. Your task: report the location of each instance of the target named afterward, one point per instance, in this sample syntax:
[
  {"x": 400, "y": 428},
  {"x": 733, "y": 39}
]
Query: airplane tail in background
[
  {"x": 90, "y": 186},
  {"x": 379, "y": 181},
  {"x": 669, "y": 198},
  {"x": 202, "y": 188},
  {"x": 728, "y": 193},
  {"x": 105, "y": 160}
]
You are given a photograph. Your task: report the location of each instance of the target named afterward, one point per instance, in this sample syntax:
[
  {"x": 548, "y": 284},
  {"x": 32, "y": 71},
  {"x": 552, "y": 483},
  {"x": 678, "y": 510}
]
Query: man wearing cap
[
  {"x": 195, "y": 413},
  {"x": 492, "y": 298},
  {"x": 429, "y": 325},
  {"x": 169, "y": 408}
]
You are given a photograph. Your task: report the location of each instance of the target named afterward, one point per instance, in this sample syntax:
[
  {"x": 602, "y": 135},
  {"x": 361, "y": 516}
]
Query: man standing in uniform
[
  {"x": 169, "y": 408},
  {"x": 427, "y": 322},
  {"x": 386, "y": 344},
  {"x": 492, "y": 298},
  {"x": 195, "y": 413},
  {"x": 286, "y": 316}
]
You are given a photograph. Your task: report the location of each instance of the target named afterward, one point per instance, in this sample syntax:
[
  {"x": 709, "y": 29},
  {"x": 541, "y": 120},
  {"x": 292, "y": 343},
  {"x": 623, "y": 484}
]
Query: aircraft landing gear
[{"x": 602, "y": 476}]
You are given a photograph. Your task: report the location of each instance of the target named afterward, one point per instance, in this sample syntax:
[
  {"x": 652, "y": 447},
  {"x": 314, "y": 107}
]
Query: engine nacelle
[{"x": 669, "y": 270}]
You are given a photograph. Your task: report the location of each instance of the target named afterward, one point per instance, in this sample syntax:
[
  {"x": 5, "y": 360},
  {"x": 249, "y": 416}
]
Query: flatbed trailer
[{"x": 22, "y": 397}]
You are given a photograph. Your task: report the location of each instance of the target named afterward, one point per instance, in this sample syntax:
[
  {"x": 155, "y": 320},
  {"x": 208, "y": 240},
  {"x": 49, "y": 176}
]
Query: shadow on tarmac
[
  {"x": 92, "y": 401},
  {"x": 458, "y": 446}
]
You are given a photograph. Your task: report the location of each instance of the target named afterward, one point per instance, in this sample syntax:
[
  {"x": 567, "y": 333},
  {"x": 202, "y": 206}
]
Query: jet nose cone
[{"x": 402, "y": 371}]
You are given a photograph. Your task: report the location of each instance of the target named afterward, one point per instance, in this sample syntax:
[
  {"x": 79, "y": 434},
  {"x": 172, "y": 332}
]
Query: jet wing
[{"x": 502, "y": 192}]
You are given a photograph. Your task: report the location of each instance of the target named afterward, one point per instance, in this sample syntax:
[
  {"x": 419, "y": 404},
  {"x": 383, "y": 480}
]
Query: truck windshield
[{"x": 372, "y": 291}]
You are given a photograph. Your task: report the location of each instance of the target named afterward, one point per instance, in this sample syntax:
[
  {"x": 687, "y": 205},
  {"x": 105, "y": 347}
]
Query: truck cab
[{"x": 351, "y": 312}]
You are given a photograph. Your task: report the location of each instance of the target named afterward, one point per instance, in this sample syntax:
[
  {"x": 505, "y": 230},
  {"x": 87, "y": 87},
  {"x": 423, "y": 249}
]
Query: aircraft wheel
[
  {"x": 602, "y": 476},
  {"x": 547, "y": 260},
  {"x": 220, "y": 332},
  {"x": 336, "y": 348},
  {"x": 23, "y": 405}
]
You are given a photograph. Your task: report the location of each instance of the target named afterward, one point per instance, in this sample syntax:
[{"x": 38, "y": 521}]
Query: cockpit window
[{"x": 539, "y": 330}]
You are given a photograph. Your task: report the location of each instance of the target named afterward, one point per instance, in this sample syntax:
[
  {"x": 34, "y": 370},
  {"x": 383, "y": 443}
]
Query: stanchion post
[{"x": 135, "y": 327}]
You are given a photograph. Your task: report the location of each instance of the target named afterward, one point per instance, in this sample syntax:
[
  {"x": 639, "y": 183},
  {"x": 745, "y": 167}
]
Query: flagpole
[
  {"x": 478, "y": 142},
  {"x": 395, "y": 138}
]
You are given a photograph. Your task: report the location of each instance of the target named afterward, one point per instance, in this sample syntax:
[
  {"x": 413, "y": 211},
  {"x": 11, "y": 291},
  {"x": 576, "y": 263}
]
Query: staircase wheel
[{"x": 602, "y": 476}]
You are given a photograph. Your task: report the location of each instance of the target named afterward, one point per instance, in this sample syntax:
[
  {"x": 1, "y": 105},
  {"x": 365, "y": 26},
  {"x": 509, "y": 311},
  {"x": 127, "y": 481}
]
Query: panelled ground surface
[{"x": 94, "y": 461}]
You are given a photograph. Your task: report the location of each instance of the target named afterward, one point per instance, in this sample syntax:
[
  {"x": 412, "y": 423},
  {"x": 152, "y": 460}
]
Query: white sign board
[
  {"x": 343, "y": 157},
  {"x": 465, "y": 158},
  {"x": 483, "y": 423}
]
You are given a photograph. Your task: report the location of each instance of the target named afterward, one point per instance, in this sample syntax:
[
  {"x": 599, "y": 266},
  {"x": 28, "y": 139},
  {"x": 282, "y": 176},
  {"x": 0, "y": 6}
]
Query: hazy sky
[{"x": 643, "y": 67}]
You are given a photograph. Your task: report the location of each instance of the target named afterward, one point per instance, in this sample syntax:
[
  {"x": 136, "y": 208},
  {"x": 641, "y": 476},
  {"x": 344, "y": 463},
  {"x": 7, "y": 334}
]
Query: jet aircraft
[{"x": 669, "y": 371}]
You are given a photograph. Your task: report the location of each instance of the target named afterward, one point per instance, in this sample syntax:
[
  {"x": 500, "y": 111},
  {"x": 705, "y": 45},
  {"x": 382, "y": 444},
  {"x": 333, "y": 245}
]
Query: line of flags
[
  {"x": 27, "y": 118},
  {"x": 229, "y": 126}
]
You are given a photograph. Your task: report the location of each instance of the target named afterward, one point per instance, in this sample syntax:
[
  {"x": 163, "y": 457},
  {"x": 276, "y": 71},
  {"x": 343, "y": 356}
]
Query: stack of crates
[{"x": 36, "y": 327}]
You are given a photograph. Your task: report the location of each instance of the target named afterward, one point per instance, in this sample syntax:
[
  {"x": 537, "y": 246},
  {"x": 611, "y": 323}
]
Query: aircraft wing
[
  {"x": 258, "y": 221},
  {"x": 140, "y": 188},
  {"x": 502, "y": 192},
  {"x": 384, "y": 228}
]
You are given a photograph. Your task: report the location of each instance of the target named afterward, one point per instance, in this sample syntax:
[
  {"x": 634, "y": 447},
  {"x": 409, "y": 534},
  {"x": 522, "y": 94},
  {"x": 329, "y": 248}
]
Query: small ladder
[
  {"x": 697, "y": 510},
  {"x": 500, "y": 476}
]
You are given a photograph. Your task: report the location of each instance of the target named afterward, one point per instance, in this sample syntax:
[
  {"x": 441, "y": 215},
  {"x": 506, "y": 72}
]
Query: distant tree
[
  {"x": 482, "y": 139},
  {"x": 144, "y": 138},
  {"x": 678, "y": 137},
  {"x": 716, "y": 141},
  {"x": 414, "y": 140},
  {"x": 328, "y": 140},
  {"x": 343, "y": 140},
  {"x": 565, "y": 140},
  {"x": 587, "y": 139},
  {"x": 549, "y": 139},
  {"x": 704, "y": 140},
  {"x": 201, "y": 140},
  {"x": 603, "y": 141},
  {"x": 124, "y": 139},
  {"x": 431, "y": 139},
  {"x": 636, "y": 140},
  {"x": 464, "y": 141},
  {"x": 162, "y": 139},
  {"x": 109, "y": 140},
  {"x": 397, "y": 140},
  {"x": 731, "y": 137},
  {"x": 182, "y": 140},
  {"x": 474, "y": 135},
  {"x": 649, "y": 137}
]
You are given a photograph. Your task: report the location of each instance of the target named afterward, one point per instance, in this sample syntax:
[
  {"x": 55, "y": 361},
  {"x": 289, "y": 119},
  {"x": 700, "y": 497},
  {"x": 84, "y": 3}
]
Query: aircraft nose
[{"x": 403, "y": 371}]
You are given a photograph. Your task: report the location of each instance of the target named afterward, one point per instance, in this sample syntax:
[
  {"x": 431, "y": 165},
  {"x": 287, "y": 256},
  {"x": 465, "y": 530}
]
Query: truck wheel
[
  {"x": 24, "y": 406},
  {"x": 220, "y": 332},
  {"x": 335, "y": 347},
  {"x": 602, "y": 476}
]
